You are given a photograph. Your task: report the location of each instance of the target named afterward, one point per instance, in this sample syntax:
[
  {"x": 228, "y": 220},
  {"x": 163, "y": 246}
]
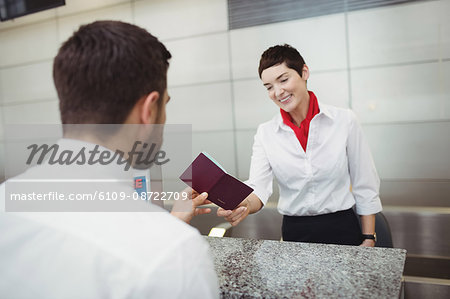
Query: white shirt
[
  {"x": 102, "y": 255},
  {"x": 318, "y": 181}
]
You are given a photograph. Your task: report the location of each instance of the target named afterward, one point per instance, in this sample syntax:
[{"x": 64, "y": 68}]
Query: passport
[{"x": 206, "y": 175}]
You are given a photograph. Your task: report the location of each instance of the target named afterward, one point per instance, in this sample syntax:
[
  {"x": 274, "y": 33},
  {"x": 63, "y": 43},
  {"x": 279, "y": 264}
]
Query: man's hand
[
  {"x": 187, "y": 209},
  {"x": 237, "y": 215}
]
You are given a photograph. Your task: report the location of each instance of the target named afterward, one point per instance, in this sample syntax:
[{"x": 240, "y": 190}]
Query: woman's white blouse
[{"x": 336, "y": 171}]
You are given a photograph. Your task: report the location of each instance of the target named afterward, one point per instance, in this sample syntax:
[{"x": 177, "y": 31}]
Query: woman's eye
[
  {"x": 284, "y": 80},
  {"x": 269, "y": 88}
]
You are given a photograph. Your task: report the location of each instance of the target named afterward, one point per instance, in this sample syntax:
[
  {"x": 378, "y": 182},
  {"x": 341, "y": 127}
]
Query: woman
[{"x": 319, "y": 157}]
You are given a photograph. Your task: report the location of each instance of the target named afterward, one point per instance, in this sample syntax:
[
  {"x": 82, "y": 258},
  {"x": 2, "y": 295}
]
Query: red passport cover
[{"x": 203, "y": 175}]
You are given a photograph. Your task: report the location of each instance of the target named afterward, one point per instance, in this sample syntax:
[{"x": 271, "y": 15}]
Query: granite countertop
[{"x": 272, "y": 269}]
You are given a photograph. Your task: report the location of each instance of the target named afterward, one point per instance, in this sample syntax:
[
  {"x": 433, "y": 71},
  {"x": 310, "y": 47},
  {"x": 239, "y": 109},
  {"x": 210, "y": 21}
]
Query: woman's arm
[
  {"x": 260, "y": 179},
  {"x": 363, "y": 174},
  {"x": 364, "y": 179}
]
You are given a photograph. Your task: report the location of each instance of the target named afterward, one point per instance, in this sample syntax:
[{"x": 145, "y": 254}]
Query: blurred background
[{"x": 389, "y": 61}]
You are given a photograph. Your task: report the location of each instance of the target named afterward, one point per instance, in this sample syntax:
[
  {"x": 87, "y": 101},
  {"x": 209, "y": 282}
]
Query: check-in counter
[{"x": 248, "y": 268}]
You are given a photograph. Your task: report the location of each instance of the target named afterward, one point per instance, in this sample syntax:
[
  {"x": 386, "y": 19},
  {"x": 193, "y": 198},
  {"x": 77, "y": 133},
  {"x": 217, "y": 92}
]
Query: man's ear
[
  {"x": 305, "y": 72},
  {"x": 149, "y": 111}
]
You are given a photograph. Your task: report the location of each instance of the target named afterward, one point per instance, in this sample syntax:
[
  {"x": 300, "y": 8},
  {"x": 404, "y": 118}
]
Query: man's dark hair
[
  {"x": 104, "y": 69},
  {"x": 281, "y": 53}
]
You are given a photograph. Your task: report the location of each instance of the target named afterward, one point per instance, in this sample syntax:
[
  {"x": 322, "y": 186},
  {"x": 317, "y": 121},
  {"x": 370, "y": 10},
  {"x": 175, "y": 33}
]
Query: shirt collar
[{"x": 325, "y": 111}]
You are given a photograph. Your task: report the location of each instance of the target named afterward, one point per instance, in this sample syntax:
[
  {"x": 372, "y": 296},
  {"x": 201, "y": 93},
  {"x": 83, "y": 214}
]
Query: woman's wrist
[
  {"x": 247, "y": 204},
  {"x": 368, "y": 243},
  {"x": 253, "y": 203}
]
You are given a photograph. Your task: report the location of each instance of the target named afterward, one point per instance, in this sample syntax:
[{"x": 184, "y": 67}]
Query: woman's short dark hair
[
  {"x": 281, "y": 53},
  {"x": 104, "y": 69}
]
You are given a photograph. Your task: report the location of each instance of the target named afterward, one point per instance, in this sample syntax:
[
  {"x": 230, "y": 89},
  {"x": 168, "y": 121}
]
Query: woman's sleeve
[
  {"x": 363, "y": 174},
  {"x": 261, "y": 177}
]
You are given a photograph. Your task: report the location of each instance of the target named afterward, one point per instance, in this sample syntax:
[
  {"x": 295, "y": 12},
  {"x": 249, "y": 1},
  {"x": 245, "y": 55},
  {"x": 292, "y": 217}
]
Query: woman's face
[{"x": 285, "y": 86}]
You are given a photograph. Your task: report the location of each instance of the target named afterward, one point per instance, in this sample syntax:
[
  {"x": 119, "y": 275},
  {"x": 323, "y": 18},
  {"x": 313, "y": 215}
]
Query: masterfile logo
[{"x": 97, "y": 156}]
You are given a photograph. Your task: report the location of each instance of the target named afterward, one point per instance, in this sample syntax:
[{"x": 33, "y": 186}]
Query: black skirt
[{"x": 341, "y": 228}]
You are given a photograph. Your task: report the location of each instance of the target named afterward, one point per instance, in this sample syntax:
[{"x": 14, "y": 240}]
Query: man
[{"x": 108, "y": 72}]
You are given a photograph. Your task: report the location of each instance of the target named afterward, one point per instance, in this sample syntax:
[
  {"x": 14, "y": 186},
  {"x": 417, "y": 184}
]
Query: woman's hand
[
  {"x": 237, "y": 215},
  {"x": 187, "y": 209},
  {"x": 368, "y": 243},
  {"x": 251, "y": 204},
  {"x": 368, "y": 227}
]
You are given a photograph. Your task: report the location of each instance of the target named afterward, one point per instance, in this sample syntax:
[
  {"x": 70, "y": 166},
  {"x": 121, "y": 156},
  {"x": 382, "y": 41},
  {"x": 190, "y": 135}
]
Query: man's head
[
  {"x": 105, "y": 68},
  {"x": 281, "y": 53}
]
